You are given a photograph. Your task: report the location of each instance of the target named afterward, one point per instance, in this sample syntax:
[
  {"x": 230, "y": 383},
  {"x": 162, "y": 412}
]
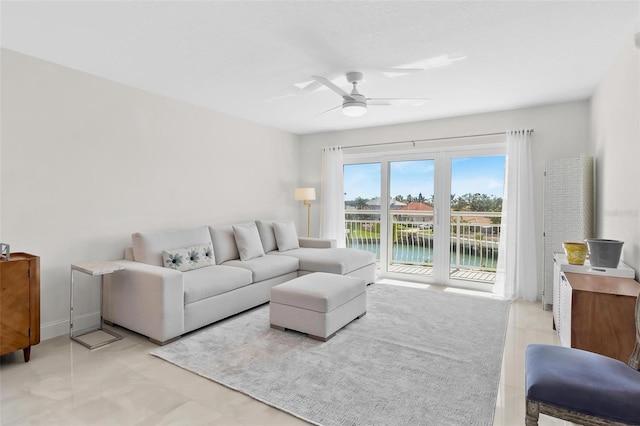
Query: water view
[{"x": 423, "y": 255}]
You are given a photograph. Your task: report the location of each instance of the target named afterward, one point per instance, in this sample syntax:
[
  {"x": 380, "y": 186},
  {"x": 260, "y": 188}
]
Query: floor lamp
[{"x": 306, "y": 195}]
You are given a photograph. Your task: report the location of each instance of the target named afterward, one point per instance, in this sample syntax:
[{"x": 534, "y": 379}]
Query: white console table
[{"x": 99, "y": 268}]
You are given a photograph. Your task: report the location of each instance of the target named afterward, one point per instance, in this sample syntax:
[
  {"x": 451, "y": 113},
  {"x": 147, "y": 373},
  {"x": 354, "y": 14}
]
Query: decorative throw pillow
[
  {"x": 286, "y": 235},
  {"x": 189, "y": 258},
  {"x": 248, "y": 241}
]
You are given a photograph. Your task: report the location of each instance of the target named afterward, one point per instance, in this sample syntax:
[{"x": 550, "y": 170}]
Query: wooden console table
[
  {"x": 597, "y": 314},
  {"x": 19, "y": 303}
]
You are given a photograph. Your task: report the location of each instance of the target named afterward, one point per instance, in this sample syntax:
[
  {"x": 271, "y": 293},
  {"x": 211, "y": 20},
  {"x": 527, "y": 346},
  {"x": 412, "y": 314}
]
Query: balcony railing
[{"x": 473, "y": 241}]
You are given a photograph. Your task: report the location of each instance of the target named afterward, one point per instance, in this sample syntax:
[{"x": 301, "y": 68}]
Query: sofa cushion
[
  {"x": 224, "y": 243},
  {"x": 265, "y": 228},
  {"x": 267, "y": 267},
  {"x": 213, "y": 280},
  {"x": 189, "y": 258},
  {"x": 148, "y": 246},
  {"x": 286, "y": 235},
  {"x": 248, "y": 241},
  {"x": 333, "y": 260}
]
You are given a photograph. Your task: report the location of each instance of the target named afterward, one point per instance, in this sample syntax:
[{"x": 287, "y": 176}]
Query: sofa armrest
[
  {"x": 147, "y": 299},
  {"x": 316, "y": 242}
]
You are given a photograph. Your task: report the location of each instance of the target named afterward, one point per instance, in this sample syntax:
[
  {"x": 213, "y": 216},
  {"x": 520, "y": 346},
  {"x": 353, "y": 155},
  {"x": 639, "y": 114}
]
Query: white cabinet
[
  {"x": 563, "y": 324},
  {"x": 556, "y": 289}
]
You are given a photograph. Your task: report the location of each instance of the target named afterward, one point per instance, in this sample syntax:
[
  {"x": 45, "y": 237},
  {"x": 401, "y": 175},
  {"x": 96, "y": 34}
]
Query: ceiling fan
[{"x": 355, "y": 104}]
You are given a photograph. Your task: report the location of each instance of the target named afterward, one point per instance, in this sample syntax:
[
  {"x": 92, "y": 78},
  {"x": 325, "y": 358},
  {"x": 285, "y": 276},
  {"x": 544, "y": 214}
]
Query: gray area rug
[{"x": 419, "y": 357}]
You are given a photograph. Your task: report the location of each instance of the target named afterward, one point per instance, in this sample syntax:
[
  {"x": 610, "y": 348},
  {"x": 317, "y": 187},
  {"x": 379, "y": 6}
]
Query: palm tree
[{"x": 360, "y": 203}]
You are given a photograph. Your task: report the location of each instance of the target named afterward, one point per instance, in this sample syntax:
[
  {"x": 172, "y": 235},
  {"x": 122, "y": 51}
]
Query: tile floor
[{"x": 121, "y": 384}]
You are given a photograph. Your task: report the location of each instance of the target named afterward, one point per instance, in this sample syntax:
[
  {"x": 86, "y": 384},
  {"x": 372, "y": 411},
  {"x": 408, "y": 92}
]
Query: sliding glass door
[
  {"x": 432, "y": 217},
  {"x": 411, "y": 217},
  {"x": 477, "y": 184},
  {"x": 362, "y": 186}
]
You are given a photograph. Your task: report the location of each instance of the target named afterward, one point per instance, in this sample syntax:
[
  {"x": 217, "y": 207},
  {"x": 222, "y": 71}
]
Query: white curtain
[
  {"x": 332, "y": 195},
  {"x": 516, "y": 275}
]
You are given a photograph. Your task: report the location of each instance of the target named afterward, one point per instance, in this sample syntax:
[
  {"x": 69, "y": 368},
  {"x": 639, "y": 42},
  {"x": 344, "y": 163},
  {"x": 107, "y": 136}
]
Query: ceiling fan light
[{"x": 354, "y": 109}]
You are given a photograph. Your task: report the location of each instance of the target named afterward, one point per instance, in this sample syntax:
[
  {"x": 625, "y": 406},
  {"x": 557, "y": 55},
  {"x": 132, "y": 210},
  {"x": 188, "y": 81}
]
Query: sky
[{"x": 484, "y": 175}]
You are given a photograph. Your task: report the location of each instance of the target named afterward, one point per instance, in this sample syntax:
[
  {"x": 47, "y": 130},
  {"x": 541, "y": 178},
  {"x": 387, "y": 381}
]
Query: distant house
[
  {"x": 425, "y": 217},
  {"x": 480, "y": 224},
  {"x": 476, "y": 220},
  {"x": 393, "y": 204},
  {"x": 417, "y": 206}
]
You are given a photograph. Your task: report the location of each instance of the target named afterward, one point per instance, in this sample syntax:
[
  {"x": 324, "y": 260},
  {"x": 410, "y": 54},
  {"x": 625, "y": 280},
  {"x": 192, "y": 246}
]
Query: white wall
[
  {"x": 560, "y": 131},
  {"x": 615, "y": 135},
  {"x": 86, "y": 162}
]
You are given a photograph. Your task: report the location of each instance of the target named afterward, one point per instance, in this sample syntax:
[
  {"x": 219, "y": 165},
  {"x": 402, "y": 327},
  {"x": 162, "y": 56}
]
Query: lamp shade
[{"x": 305, "y": 194}]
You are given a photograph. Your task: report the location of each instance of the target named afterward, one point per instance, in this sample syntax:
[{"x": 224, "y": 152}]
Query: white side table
[{"x": 92, "y": 268}]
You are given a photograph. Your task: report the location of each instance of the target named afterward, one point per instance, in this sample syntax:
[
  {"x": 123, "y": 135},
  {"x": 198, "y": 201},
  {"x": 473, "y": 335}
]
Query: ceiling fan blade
[
  {"x": 308, "y": 86},
  {"x": 424, "y": 64},
  {"x": 401, "y": 69},
  {"x": 397, "y": 72},
  {"x": 332, "y": 86},
  {"x": 330, "y": 109},
  {"x": 397, "y": 101},
  {"x": 313, "y": 86}
]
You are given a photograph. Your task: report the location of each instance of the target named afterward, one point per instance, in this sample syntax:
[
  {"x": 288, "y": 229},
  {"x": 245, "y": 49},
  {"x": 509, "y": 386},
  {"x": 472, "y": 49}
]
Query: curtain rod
[{"x": 413, "y": 141}]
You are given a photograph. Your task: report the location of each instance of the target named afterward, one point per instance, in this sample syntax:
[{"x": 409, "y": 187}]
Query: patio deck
[{"x": 460, "y": 274}]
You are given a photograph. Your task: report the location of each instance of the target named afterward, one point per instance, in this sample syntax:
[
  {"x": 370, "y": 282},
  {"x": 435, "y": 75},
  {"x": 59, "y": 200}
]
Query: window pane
[
  {"x": 362, "y": 206},
  {"x": 477, "y": 185}
]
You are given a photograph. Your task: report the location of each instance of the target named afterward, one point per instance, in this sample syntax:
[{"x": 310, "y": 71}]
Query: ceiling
[{"x": 244, "y": 58}]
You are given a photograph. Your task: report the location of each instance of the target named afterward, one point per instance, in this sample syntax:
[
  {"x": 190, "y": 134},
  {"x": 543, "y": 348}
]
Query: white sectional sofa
[{"x": 173, "y": 283}]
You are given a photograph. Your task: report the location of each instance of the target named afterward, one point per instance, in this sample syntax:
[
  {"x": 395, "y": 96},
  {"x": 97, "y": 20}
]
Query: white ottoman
[{"x": 318, "y": 304}]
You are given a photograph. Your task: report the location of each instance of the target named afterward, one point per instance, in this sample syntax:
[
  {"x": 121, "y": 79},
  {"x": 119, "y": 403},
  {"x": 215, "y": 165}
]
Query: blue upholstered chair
[{"x": 583, "y": 387}]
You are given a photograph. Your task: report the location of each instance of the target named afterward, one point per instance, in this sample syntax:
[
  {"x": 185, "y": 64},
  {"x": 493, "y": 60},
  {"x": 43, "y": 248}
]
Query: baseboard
[
  {"x": 57, "y": 328},
  {"x": 54, "y": 329}
]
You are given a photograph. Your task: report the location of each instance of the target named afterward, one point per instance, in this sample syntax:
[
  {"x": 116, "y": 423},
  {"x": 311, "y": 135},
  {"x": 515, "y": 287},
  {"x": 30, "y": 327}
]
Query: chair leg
[{"x": 533, "y": 413}]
